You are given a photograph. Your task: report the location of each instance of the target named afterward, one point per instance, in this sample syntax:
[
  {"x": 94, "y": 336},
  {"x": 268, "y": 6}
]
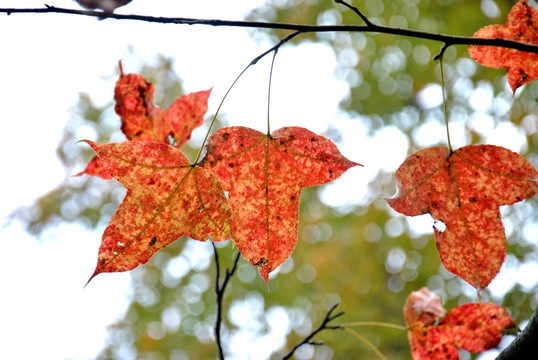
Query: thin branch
[
  {"x": 356, "y": 11},
  {"x": 447, "y": 39},
  {"x": 219, "y": 290},
  {"x": 323, "y": 326},
  {"x": 442, "y": 52},
  {"x": 275, "y": 47}
]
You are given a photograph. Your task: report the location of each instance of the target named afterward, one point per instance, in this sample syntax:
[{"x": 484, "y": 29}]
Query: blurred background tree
[{"x": 358, "y": 253}]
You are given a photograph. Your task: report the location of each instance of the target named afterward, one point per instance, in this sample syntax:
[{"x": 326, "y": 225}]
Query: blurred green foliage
[{"x": 365, "y": 257}]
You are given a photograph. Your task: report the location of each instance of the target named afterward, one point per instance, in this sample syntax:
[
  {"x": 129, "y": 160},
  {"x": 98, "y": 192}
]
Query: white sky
[{"x": 47, "y": 60}]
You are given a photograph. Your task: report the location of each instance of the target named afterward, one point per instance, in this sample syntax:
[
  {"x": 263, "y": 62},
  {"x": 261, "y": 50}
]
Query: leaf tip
[
  {"x": 95, "y": 273},
  {"x": 264, "y": 271}
]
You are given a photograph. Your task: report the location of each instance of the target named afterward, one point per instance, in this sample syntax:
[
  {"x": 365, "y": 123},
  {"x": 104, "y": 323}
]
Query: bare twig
[
  {"x": 323, "y": 326},
  {"x": 447, "y": 39},
  {"x": 219, "y": 290},
  {"x": 356, "y": 11}
]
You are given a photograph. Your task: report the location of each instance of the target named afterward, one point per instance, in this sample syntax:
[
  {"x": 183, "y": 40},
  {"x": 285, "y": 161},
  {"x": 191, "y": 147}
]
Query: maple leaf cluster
[
  {"x": 168, "y": 197},
  {"x": 463, "y": 189},
  {"x": 473, "y": 327},
  {"x": 247, "y": 188},
  {"x": 522, "y": 26}
]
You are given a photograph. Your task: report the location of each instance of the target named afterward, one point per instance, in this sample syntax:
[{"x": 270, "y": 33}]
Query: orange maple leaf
[
  {"x": 142, "y": 120},
  {"x": 464, "y": 189},
  {"x": 166, "y": 198},
  {"x": 522, "y": 26},
  {"x": 264, "y": 175},
  {"x": 473, "y": 327}
]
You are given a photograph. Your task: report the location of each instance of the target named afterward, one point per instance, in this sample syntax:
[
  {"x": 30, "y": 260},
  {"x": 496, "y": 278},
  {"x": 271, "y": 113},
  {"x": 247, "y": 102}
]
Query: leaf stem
[
  {"x": 253, "y": 62},
  {"x": 443, "y": 90},
  {"x": 366, "y": 342},
  {"x": 269, "y": 92},
  {"x": 214, "y": 119},
  {"x": 375, "y": 323}
]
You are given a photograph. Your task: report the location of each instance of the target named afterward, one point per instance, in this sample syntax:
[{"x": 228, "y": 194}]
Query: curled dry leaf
[
  {"x": 166, "y": 198},
  {"x": 264, "y": 175},
  {"x": 473, "y": 327},
  {"x": 464, "y": 189},
  {"x": 422, "y": 308},
  {"x": 522, "y": 26}
]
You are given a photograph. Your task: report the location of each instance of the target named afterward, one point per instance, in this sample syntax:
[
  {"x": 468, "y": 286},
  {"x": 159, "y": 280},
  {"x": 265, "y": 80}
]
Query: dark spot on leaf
[
  {"x": 262, "y": 262},
  {"x": 153, "y": 241},
  {"x": 313, "y": 139},
  {"x": 292, "y": 197},
  {"x": 473, "y": 199},
  {"x": 330, "y": 171},
  {"x": 231, "y": 164},
  {"x": 225, "y": 136}
]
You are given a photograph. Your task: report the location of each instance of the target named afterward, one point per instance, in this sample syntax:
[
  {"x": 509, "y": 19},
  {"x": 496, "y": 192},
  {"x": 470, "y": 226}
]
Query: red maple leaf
[
  {"x": 166, "y": 198},
  {"x": 522, "y": 26},
  {"x": 473, "y": 327},
  {"x": 142, "y": 120},
  {"x": 464, "y": 189},
  {"x": 264, "y": 175}
]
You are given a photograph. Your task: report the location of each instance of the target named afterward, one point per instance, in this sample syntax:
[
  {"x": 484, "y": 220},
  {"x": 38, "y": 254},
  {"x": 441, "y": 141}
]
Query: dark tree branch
[
  {"x": 525, "y": 344},
  {"x": 449, "y": 40},
  {"x": 219, "y": 290},
  {"x": 275, "y": 48},
  {"x": 323, "y": 326}
]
